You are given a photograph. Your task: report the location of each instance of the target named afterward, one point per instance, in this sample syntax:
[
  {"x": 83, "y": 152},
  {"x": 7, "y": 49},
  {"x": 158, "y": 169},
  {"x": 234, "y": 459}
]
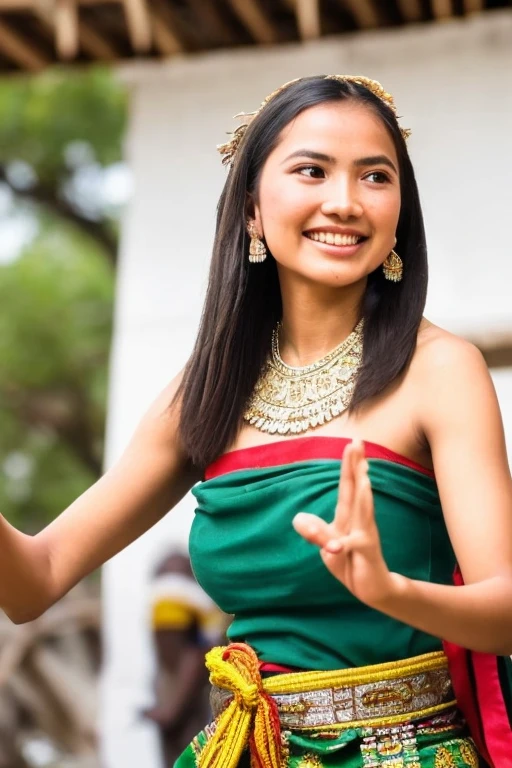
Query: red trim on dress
[
  {"x": 477, "y": 686},
  {"x": 301, "y": 449}
]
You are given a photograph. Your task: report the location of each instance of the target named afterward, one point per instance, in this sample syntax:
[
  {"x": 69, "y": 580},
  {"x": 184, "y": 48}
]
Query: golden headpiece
[{"x": 229, "y": 149}]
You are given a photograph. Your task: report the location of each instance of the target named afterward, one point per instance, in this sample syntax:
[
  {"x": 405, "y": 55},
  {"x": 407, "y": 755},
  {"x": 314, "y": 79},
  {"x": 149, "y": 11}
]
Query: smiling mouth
[{"x": 332, "y": 238}]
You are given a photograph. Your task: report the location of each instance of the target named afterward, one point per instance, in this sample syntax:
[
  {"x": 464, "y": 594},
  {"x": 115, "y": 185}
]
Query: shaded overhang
[{"x": 34, "y": 34}]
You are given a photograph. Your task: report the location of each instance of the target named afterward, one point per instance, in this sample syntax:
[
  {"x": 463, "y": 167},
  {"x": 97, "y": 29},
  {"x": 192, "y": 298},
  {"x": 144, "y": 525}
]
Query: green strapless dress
[{"x": 289, "y": 608}]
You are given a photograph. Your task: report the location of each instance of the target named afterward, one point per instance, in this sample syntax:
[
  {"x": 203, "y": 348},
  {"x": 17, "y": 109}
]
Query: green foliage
[
  {"x": 55, "y": 327},
  {"x": 56, "y": 299},
  {"x": 40, "y": 117}
]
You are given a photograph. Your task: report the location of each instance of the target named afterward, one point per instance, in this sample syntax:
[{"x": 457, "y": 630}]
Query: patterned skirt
[{"x": 396, "y": 715}]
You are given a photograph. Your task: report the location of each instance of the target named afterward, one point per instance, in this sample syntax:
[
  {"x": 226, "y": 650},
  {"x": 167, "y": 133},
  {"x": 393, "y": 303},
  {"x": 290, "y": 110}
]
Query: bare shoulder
[
  {"x": 156, "y": 447},
  {"x": 441, "y": 354},
  {"x": 162, "y": 418},
  {"x": 452, "y": 382}
]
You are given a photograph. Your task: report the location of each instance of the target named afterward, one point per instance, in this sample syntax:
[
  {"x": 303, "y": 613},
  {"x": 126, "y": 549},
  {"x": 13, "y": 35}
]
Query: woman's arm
[
  {"x": 461, "y": 420},
  {"x": 152, "y": 475},
  {"x": 459, "y": 414}
]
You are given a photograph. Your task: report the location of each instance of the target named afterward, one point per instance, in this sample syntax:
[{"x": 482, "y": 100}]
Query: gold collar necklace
[{"x": 293, "y": 400}]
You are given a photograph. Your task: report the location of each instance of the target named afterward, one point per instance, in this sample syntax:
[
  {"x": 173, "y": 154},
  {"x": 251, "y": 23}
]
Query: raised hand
[{"x": 350, "y": 545}]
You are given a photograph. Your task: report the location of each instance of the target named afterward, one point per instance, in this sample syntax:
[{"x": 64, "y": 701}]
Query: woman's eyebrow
[
  {"x": 360, "y": 162},
  {"x": 311, "y": 154},
  {"x": 375, "y": 160}
]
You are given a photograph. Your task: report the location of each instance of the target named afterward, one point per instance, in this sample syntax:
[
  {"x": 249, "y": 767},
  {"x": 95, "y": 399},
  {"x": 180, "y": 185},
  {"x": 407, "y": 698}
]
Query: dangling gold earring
[
  {"x": 257, "y": 250},
  {"x": 393, "y": 267}
]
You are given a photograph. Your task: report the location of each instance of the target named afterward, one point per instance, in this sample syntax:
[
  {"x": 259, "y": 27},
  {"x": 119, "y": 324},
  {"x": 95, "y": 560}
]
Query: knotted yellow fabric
[{"x": 250, "y": 719}]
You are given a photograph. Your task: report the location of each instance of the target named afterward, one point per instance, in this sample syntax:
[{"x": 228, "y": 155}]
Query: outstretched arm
[
  {"x": 462, "y": 422},
  {"x": 150, "y": 478}
]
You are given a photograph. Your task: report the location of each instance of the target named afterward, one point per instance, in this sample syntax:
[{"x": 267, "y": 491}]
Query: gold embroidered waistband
[{"x": 383, "y": 694}]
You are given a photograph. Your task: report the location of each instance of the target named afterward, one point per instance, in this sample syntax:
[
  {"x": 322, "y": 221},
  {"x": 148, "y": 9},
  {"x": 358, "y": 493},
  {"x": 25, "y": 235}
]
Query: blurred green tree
[
  {"x": 60, "y": 135},
  {"x": 55, "y": 131}
]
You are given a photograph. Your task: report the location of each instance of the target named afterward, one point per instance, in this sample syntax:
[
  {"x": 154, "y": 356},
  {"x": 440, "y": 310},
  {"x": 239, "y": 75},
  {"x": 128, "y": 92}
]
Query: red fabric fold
[
  {"x": 495, "y": 723},
  {"x": 477, "y": 686},
  {"x": 295, "y": 449}
]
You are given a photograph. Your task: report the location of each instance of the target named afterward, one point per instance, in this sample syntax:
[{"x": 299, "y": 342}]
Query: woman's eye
[
  {"x": 311, "y": 171},
  {"x": 378, "y": 177}
]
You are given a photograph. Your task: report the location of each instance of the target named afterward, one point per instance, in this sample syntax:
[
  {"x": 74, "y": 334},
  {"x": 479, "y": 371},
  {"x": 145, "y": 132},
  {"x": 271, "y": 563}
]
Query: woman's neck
[{"x": 314, "y": 322}]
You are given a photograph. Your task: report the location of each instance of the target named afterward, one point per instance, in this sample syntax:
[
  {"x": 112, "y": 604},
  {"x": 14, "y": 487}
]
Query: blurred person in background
[
  {"x": 313, "y": 355},
  {"x": 186, "y": 623}
]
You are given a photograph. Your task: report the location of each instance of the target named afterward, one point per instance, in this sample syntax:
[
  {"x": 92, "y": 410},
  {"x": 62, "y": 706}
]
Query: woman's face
[{"x": 328, "y": 198}]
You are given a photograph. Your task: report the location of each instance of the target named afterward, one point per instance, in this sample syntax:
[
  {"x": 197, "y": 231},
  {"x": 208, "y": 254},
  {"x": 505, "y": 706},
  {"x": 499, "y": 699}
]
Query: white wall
[{"x": 453, "y": 85}]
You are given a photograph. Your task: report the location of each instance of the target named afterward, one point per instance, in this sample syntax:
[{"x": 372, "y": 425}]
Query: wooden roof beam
[
  {"x": 365, "y": 12},
  {"x": 255, "y": 20},
  {"x": 213, "y": 19},
  {"x": 442, "y": 9},
  {"x": 92, "y": 43},
  {"x": 89, "y": 40},
  {"x": 309, "y": 20},
  {"x": 474, "y": 6},
  {"x": 16, "y": 5},
  {"x": 166, "y": 32},
  {"x": 65, "y": 13},
  {"x": 20, "y": 51},
  {"x": 139, "y": 24},
  {"x": 410, "y": 10},
  {"x": 165, "y": 39},
  {"x": 499, "y": 356}
]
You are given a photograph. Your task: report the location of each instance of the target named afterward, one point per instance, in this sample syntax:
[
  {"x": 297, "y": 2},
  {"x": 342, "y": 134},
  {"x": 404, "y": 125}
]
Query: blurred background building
[{"x": 188, "y": 66}]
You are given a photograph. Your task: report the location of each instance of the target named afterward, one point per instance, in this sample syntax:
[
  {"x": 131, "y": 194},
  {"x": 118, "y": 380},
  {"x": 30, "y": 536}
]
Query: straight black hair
[{"x": 243, "y": 300}]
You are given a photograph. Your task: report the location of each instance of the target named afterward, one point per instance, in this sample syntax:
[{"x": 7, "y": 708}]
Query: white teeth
[{"x": 332, "y": 238}]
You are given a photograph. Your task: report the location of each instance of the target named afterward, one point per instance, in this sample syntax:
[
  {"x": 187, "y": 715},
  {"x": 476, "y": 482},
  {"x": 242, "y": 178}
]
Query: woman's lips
[{"x": 349, "y": 244}]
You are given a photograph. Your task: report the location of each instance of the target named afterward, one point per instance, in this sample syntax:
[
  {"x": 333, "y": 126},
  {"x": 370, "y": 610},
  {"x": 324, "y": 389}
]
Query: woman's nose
[{"x": 342, "y": 201}]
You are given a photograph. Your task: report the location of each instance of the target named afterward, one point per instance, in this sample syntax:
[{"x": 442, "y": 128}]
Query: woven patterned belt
[
  {"x": 391, "y": 692},
  {"x": 366, "y": 697}
]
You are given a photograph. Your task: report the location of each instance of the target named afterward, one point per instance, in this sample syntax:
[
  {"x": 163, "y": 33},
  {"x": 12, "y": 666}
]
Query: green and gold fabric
[{"x": 293, "y": 619}]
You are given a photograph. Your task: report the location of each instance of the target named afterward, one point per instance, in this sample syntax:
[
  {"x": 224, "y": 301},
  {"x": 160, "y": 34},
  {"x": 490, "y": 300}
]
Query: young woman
[{"x": 313, "y": 346}]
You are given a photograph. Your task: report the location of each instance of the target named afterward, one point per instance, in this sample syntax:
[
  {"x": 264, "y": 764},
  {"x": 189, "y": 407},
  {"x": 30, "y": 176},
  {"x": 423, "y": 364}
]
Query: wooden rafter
[
  {"x": 474, "y": 6},
  {"x": 308, "y": 19},
  {"x": 16, "y": 5},
  {"x": 20, "y": 51},
  {"x": 410, "y": 10},
  {"x": 139, "y": 24},
  {"x": 163, "y": 27},
  {"x": 165, "y": 40},
  {"x": 213, "y": 20},
  {"x": 365, "y": 12},
  {"x": 95, "y": 44},
  {"x": 166, "y": 32},
  {"x": 255, "y": 20},
  {"x": 442, "y": 9},
  {"x": 90, "y": 41},
  {"x": 66, "y": 28},
  {"x": 499, "y": 356}
]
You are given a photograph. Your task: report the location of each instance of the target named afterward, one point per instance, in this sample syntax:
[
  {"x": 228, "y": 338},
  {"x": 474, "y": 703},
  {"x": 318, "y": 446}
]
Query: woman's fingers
[
  {"x": 345, "y": 491},
  {"x": 353, "y": 455},
  {"x": 354, "y": 510},
  {"x": 363, "y": 497},
  {"x": 312, "y": 528},
  {"x": 345, "y": 544}
]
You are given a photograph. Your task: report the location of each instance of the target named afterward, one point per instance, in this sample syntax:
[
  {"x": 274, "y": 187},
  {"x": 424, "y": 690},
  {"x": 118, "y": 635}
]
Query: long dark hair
[{"x": 243, "y": 300}]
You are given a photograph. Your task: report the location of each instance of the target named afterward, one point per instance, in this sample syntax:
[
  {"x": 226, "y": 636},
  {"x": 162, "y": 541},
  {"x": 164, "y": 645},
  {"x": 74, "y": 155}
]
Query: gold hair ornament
[{"x": 229, "y": 149}]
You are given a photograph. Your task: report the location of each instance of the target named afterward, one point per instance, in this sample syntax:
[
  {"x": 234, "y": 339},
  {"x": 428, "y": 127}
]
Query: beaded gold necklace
[{"x": 293, "y": 400}]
